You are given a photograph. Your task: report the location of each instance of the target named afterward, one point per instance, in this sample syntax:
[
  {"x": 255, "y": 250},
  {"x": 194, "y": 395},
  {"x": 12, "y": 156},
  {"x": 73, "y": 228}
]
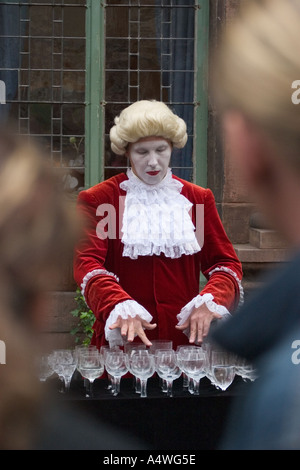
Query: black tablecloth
[{"x": 182, "y": 422}]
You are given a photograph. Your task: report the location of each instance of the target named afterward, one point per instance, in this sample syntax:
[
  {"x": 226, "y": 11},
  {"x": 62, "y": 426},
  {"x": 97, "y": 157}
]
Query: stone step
[
  {"x": 263, "y": 238},
  {"x": 248, "y": 253}
]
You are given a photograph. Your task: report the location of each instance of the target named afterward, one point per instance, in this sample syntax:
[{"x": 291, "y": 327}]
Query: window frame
[{"x": 95, "y": 92}]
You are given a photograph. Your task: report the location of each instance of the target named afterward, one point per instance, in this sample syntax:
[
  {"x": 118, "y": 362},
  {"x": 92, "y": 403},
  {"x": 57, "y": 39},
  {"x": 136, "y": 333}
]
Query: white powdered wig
[{"x": 145, "y": 119}]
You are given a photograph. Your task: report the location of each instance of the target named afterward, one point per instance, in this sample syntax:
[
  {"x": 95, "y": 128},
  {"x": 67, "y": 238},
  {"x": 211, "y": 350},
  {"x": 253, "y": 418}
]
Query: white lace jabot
[{"x": 156, "y": 219}]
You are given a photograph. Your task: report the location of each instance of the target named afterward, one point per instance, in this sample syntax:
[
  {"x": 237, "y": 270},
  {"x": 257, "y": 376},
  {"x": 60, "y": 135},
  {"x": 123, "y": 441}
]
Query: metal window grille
[
  {"x": 150, "y": 47},
  {"x": 150, "y": 55},
  {"x": 42, "y": 63}
]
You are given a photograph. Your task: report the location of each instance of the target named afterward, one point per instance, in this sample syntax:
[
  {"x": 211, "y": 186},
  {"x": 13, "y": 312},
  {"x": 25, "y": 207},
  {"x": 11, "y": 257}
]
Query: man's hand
[
  {"x": 198, "y": 323},
  {"x": 133, "y": 326}
]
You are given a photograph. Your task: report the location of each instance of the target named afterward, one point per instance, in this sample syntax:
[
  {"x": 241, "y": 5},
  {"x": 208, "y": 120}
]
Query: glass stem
[
  {"x": 185, "y": 380},
  {"x": 67, "y": 382},
  {"x": 143, "y": 388},
  {"x": 137, "y": 385},
  {"x": 196, "y": 387},
  {"x": 62, "y": 384},
  {"x": 112, "y": 385},
  {"x": 109, "y": 385},
  {"x": 87, "y": 387},
  {"x": 191, "y": 386},
  {"x": 117, "y": 381},
  {"x": 91, "y": 384},
  {"x": 169, "y": 388}
]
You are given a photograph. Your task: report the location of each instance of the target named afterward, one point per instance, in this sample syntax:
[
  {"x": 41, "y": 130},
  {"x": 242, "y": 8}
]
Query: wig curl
[{"x": 145, "y": 119}]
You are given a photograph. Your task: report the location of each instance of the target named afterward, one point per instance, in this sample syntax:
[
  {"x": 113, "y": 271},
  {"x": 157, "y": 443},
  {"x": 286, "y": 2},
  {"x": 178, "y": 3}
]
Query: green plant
[
  {"x": 83, "y": 331},
  {"x": 76, "y": 145}
]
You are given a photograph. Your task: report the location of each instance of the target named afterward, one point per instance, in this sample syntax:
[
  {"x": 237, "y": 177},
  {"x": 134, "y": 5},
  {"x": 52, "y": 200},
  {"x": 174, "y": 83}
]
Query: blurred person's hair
[
  {"x": 38, "y": 229},
  {"x": 38, "y": 224},
  {"x": 255, "y": 67}
]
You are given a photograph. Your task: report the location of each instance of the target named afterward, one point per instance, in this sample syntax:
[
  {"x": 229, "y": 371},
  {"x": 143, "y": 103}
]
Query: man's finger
[
  {"x": 114, "y": 325},
  {"x": 149, "y": 326},
  {"x": 124, "y": 329},
  {"x": 183, "y": 326},
  {"x": 142, "y": 335},
  {"x": 193, "y": 331},
  {"x": 200, "y": 333},
  {"x": 131, "y": 332}
]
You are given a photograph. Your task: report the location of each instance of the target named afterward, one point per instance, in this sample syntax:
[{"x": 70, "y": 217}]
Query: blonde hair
[
  {"x": 256, "y": 65},
  {"x": 38, "y": 225},
  {"x": 144, "y": 119}
]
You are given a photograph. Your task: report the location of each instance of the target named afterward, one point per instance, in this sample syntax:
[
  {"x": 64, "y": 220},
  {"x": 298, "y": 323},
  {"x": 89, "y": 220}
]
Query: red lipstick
[{"x": 152, "y": 173}]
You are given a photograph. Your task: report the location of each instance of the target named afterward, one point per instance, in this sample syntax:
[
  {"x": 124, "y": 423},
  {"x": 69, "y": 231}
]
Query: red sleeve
[
  {"x": 220, "y": 264},
  {"x": 99, "y": 286}
]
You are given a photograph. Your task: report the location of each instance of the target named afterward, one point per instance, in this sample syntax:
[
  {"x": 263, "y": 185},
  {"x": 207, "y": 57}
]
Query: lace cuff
[
  {"x": 128, "y": 308},
  {"x": 196, "y": 302},
  {"x": 227, "y": 270},
  {"x": 91, "y": 274}
]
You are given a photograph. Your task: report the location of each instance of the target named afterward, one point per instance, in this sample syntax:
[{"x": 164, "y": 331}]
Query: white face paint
[{"x": 150, "y": 158}]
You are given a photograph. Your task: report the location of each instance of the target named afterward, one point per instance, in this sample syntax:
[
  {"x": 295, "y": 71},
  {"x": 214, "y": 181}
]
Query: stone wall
[{"x": 232, "y": 199}]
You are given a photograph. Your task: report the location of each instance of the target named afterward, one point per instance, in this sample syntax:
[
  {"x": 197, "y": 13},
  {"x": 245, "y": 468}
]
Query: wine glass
[
  {"x": 104, "y": 349},
  {"x": 44, "y": 367},
  {"x": 66, "y": 365},
  {"x": 213, "y": 350},
  {"x": 130, "y": 352},
  {"x": 116, "y": 366},
  {"x": 55, "y": 364},
  {"x": 91, "y": 366},
  {"x": 143, "y": 367},
  {"x": 167, "y": 368},
  {"x": 77, "y": 350},
  {"x": 181, "y": 351},
  {"x": 250, "y": 373},
  {"x": 160, "y": 344},
  {"x": 129, "y": 347},
  {"x": 194, "y": 363},
  {"x": 222, "y": 369},
  {"x": 245, "y": 369},
  {"x": 83, "y": 347}
]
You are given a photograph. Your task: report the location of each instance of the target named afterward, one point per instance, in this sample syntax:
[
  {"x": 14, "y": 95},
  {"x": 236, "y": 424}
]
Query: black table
[{"x": 182, "y": 422}]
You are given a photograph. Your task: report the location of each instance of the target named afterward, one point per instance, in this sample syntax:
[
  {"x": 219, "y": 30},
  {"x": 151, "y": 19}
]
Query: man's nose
[{"x": 152, "y": 159}]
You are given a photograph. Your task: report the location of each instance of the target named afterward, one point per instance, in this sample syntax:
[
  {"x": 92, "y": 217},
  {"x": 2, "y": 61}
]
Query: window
[
  {"x": 150, "y": 55},
  {"x": 153, "y": 49},
  {"x": 42, "y": 50},
  {"x": 70, "y": 66}
]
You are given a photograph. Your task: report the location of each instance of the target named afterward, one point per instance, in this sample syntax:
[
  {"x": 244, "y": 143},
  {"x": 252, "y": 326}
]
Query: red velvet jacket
[{"x": 162, "y": 285}]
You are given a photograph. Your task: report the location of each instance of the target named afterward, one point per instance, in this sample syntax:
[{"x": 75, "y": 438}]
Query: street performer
[{"x": 148, "y": 237}]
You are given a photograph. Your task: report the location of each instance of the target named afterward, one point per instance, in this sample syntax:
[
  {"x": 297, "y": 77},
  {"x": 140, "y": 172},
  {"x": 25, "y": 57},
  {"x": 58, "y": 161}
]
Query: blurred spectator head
[
  {"x": 38, "y": 229},
  {"x": 255, "y": 80}
]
